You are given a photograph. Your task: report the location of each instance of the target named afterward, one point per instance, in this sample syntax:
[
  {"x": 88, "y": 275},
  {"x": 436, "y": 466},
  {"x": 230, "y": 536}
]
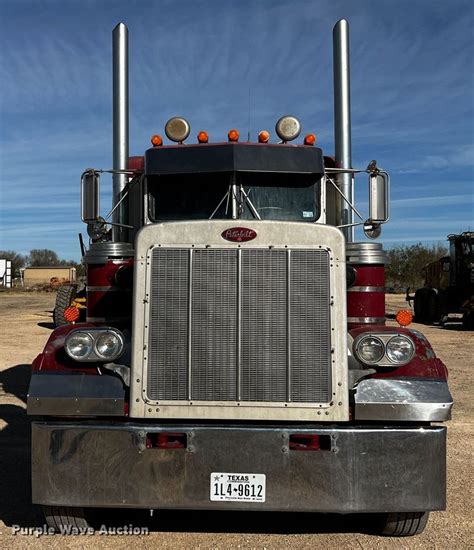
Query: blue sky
[{"x": 412, "y": 97}]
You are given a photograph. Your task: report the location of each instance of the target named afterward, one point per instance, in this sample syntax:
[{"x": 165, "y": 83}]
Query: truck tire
[
  {"x": 419, "y": 305},
  {"x": 468, "y": 321},
  {"x": 62, "y": 519},
  {"x": 64, "y": 297},
  {"x": 432, "y": 307},
  {"x": 404, "y": 524}
]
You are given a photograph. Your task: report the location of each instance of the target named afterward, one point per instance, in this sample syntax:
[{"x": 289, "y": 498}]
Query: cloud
[
  {"x": 232, "y": 64},
  {"x": 440, "y": 201}
]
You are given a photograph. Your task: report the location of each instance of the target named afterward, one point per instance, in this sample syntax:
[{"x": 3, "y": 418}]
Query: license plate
[{"x": 237, "y": 487}]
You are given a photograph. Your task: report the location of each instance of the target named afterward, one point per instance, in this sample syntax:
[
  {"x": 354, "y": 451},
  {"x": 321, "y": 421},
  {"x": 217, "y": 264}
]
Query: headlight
[
  {"x": 94, "y": 344},
  {"x": 109, "y": 345},
  {"x": 79, "y": 345},
  {"x": 400, "y": 349},
  {"x": 370, "y": 349}
]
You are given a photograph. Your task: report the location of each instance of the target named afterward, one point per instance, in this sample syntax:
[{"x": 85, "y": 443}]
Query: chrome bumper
[{"x": 363, "y": 469}]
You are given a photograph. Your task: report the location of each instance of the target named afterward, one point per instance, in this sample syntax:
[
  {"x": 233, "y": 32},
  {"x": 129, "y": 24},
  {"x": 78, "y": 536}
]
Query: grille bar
[
  {"x": 246, "y": 325},
  {"x": 239, "y": 324},
  {"x": 288, "y": 326},
  {"x": 190, "y": 325}
]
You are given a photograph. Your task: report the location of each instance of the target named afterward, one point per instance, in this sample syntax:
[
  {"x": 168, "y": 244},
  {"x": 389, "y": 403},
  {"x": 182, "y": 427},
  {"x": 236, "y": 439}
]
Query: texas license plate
[{"x": 237, "y": 487}]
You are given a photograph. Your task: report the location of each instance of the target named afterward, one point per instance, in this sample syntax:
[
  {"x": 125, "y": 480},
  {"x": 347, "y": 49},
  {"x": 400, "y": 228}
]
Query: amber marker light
[
  {"x": 263, "y": 136},
  {"x": 203, "y": 137},
  {"x": 156, "y": 140},
  {"x": 71, "y": 314},
  {"x": 404, "y": 317},
  {"x": 310, "y": 139},
  {"x": 233, "y": 135}
]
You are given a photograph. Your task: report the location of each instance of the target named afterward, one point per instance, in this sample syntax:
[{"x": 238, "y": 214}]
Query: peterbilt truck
[
  {"x": 234, "y": 354},
  {"x": 448, "y": 284}
]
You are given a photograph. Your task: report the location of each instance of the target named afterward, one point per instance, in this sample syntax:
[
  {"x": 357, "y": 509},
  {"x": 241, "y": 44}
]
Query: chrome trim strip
[
  {"x": 107, "y": 319},
  {"x": 107, "y": 289},
  {"x": 366, "y": 289},
  {"x": 366, "y": 320}
]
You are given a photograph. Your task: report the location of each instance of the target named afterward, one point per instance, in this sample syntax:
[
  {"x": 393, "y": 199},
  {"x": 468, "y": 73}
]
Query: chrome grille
[{"x": 247, "y": 325}]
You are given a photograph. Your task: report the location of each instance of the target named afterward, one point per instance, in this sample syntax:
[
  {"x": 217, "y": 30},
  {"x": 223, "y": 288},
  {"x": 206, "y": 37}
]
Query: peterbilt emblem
[{"x": 238, "y": 234}]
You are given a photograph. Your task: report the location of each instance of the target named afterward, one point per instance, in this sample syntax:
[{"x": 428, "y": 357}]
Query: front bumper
[{"x": 364, "y": 469}]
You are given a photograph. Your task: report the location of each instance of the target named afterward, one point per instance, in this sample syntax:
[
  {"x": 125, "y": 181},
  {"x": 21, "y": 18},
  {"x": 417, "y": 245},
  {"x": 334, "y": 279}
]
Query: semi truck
[
  {"x": 448, "y": 284},
  {"x": 234, "y": 354}
]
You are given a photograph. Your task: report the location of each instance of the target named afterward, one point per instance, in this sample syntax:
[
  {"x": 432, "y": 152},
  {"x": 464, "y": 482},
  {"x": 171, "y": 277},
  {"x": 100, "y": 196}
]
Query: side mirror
[
  {"x": 378, "y": 197},
  {"x": 379, "y": 187},
  {"x": 90, "y": 188}
]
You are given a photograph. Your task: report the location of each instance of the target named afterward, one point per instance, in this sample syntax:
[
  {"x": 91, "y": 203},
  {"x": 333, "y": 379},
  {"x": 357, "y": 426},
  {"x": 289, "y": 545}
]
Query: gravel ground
[{"x": 25, "y": 323}]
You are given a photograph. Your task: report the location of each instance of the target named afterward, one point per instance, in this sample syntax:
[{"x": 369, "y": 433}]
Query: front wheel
[
  {"x": 65, "y": 519},
  {"x": 64, "y": 297},
  {"x": 404, "y": 524}
]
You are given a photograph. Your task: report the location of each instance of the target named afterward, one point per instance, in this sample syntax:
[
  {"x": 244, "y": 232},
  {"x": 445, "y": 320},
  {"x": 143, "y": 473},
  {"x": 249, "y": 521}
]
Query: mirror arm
[
  {"x": 122, "y": 198},
  {"x": 347, "y": 201}
]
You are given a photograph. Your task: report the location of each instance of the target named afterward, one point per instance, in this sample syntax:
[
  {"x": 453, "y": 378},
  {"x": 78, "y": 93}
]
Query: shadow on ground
[
  {"x": 15, "y": 453},
  {"x": 49, "y": 326},
  {"x": 207, "y": 521}
]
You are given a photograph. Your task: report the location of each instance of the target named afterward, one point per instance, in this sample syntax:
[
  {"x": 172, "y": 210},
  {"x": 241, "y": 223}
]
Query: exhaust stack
[
  {"x": 342, "y": 123},
  {"x": 120, "y": 125}
]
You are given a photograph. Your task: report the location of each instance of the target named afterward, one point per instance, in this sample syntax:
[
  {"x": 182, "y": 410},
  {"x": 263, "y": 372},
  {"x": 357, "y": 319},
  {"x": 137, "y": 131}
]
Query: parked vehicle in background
[{"x": 448, "y": 285}]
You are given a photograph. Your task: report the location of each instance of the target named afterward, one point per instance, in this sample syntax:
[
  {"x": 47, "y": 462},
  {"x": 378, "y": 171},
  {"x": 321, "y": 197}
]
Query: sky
[{"x": 235, "y": 64}]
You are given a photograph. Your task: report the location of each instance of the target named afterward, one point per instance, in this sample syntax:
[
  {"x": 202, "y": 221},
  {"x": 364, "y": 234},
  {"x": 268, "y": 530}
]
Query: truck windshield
[{"x": 285, "y": 197}]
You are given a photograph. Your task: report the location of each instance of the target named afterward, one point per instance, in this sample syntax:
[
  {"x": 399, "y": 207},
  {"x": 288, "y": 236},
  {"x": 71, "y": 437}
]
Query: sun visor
[{"x": 234, "y": 157}]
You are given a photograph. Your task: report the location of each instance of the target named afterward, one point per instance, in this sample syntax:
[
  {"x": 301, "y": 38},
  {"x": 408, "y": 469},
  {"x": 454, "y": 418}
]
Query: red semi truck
[{"x": 235, "y": 354}]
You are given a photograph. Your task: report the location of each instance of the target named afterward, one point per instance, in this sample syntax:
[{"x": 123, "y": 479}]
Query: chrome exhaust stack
[
  {"x": 342, "y": 124},
  {"x": 120, "y": 126}
]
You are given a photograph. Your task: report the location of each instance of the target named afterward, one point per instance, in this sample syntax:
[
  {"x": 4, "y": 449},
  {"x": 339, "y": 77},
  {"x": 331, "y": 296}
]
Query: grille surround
[{"x": 228, "y": 325}]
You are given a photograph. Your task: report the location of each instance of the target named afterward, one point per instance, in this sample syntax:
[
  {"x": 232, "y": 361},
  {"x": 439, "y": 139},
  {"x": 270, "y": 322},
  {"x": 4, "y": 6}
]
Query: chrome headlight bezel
[
  {"x": 406, "y": 339},
  {"x": 385, "y": 338},
  {"x": 359, "y": 343},
  {"x": 94, "y": 333}
]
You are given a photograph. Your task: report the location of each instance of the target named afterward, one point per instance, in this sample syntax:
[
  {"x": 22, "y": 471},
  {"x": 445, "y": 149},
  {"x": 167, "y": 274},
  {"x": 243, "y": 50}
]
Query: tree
[
  {"x": 43, "y": 257},
  {"x": 405, "y": 263},
  {"x": 18, "y": 261},
  {"x": 80, "y": 269}
]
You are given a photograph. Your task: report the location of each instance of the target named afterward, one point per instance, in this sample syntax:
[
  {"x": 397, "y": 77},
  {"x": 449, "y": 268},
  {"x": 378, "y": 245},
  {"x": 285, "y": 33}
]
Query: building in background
[
  {"x": 52, "y": 275},
  {"x": 5, "y": 273}
]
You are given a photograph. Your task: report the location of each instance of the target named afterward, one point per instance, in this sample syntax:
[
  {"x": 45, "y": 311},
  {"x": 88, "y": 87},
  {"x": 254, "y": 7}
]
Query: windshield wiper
[
  {"x": 239, "y": 201},
  {"x": 249, "y": 202}
]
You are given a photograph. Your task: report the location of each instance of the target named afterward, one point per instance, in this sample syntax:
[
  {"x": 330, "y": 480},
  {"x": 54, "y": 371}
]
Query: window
[{"x": 284, "y": 197}]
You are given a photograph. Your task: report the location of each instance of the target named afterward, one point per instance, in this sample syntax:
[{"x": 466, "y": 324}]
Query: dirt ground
[{"x": 25, "y": 324}]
